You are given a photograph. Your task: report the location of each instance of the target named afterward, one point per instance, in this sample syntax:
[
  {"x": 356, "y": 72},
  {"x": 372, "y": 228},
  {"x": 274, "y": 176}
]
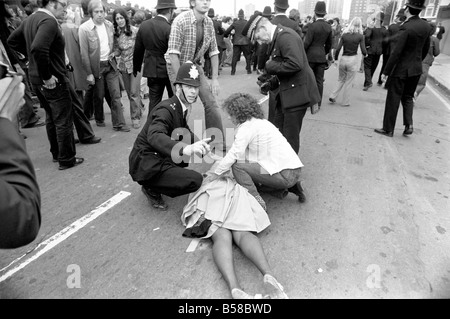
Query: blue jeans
[
  {"x": 57, "y": 104},
  {"x": 111, "y": 77}
]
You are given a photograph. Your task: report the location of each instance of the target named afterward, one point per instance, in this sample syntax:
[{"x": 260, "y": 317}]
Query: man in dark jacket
[
  {"x": 391, "y": 39},
  {"x": 164, "y": 147},
  {"x": 240, "y": 43},
  {"x": 152, "y": 40},
  {"x": 20, "y": 198},
  {"x": 220, "y": 43},
  {"x": 298, "y": 90},
  {"x": 404, "y": 68},
  {"x": 318, "y": 41},
  {"x": 40, "y": 39}
]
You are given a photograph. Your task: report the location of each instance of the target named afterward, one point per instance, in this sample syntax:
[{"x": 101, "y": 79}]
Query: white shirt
[
  {"x": 104, "y": 42},
  {"x": 259, "y": 141}
]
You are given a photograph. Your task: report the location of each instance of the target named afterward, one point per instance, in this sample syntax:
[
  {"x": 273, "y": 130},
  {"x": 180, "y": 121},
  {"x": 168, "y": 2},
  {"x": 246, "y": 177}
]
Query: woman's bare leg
[{"x": 223, "y": 256}]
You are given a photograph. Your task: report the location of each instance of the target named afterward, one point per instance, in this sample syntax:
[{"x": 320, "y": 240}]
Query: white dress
[{"x": 225, "y": 204}]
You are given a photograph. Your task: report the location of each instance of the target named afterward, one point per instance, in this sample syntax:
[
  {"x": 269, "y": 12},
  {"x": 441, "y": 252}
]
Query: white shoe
[{"x": 274, "y": 286}]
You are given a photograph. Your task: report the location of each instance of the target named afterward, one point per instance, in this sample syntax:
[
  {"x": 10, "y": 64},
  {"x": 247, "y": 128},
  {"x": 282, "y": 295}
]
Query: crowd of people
[{"x": 74, "y": 62}]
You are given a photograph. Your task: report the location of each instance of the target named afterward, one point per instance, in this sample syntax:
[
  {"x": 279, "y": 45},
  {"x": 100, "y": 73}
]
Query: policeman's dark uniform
[{"x": 155, "y": 161}]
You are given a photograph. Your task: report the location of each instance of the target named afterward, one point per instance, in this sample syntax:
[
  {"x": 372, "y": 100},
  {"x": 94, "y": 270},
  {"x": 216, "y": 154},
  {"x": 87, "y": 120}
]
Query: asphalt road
[{"x": 375, "y": 223}]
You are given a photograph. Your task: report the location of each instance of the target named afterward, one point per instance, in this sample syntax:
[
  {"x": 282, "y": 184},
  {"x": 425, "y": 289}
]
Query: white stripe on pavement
[
  {"x": 439, "y": 96},
  {"x": 50, "y": 243}
]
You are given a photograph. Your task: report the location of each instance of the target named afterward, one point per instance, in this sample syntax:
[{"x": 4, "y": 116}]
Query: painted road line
[
  {"x": 193, "y": 245},
  {"x": 50, "y": 243},
  {"x": 439, "y": 96}
]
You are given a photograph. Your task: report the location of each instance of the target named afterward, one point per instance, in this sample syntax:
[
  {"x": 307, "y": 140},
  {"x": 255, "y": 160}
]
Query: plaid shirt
[{"x": 182, "y": 39}]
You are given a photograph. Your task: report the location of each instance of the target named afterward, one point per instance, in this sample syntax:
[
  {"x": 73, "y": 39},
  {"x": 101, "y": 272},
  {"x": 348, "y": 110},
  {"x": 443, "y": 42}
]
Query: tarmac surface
[{"x": 375, "y": 223}]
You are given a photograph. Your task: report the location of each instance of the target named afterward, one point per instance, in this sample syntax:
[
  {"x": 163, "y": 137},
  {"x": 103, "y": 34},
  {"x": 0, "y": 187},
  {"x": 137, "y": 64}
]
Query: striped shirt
[{"x": 182, "y": 40}]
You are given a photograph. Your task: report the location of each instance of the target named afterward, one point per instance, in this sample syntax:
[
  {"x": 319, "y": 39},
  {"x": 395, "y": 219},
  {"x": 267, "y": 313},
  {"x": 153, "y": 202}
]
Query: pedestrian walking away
[
  {"x": 152, "y": 42},
  {"x": 404, "y": 68},
  {"x": 318, "y": 42},
  {"x": 351, "y": 39}
]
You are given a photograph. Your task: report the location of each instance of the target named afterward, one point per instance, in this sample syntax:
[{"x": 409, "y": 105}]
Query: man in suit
[
  {"x": 298, "y": 90},
  {"x": 391, "y": 40},
  {"x": 240, "y": 43},
  {"x": 404, "y": 68},
  {"x": 318, "y": 41},
  {"x": 165, "y": 145},
  {"x": 20, "y": 198},
  {"x": 152, "y": 41}
]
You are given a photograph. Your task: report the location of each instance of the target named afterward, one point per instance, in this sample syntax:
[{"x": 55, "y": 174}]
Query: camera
[{"x": 267, "y": 83}]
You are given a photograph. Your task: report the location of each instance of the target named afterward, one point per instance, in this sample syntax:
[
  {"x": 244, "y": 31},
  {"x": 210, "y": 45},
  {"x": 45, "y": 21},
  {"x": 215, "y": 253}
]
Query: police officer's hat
[
  {"x": 416, "y": 4},
  {"x": 188, "y": 74}
]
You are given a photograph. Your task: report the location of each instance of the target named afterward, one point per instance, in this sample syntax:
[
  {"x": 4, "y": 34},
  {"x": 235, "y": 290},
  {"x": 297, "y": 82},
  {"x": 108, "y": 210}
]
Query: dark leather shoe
[
  {"x": 297, "y": 189},
  {"x": 155, "y": 199},
  {"x": 35, "y": 124},
  {"x": 122, "y": 128},
  {"x": 92, "y": 140},
  {"x": 100, "y": 124},
  {"x": 78, "y": 161},
  {"x": 332, "y": 100},
  {"x": 408, "y": 130},
  {"x": 383, "y": 132}
]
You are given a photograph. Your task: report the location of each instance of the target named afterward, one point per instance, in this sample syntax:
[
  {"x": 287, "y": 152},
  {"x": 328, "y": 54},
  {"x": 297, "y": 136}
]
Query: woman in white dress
[{"x": 225, "y": 212}]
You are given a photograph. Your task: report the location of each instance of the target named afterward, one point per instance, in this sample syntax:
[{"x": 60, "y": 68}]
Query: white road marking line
[
  {"x": 193, "y": 245},
  {"x": 439, "y": 96},
  {"x": 50, "y": 243}
]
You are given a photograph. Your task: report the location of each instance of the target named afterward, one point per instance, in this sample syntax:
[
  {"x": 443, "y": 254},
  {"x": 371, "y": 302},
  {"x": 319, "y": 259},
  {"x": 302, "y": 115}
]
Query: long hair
[
  {"x": 124, "y": 14},
  {"x": 355, "y": 26},
  {"x": 242, "y": 106}
]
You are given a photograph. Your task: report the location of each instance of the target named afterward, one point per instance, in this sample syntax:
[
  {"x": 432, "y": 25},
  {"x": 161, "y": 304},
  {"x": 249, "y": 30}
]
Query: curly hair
[
  {"x": 124, "y": 14},
  {"x": 242, "y": 107}
]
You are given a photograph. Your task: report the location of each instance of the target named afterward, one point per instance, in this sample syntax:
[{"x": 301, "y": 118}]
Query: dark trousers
[
  {"x": 175, "y": 181},
  {"x": 80, "y": 120},
  {"x": 399, "y": 90},
  {"x": 156, "y": 88},
  {"x": 262, "y": 55},
  {"x": 370, "y": 65},
  {"x": 27, "y": 114},
  {"x": 110, "y": 78},
  {"x": 290, "y": 125},
  {"x": 319, "y": 73},
  {"x": 57, "y": 104},
  {"x": 237, "y": 50},
  {"x": 88, "y": 100}
]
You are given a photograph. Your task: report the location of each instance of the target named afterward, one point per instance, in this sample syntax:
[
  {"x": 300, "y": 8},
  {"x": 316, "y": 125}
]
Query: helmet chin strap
[{"x": 184, "y": 98}]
